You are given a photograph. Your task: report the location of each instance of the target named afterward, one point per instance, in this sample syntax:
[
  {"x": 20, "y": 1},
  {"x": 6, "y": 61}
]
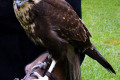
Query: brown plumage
[{"x": 55, "y": 25}]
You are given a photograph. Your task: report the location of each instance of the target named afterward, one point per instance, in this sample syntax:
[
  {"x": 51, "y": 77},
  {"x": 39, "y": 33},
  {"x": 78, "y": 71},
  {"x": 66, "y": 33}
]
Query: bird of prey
[{"x": 55, "y": 25}]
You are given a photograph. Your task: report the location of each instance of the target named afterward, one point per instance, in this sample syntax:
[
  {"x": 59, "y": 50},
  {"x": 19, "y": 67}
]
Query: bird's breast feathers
[{"x": 24, "y": 17}]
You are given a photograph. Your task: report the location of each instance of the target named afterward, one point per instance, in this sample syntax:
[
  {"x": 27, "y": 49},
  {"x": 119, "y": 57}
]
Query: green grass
[{"x": 102, "y": 18}]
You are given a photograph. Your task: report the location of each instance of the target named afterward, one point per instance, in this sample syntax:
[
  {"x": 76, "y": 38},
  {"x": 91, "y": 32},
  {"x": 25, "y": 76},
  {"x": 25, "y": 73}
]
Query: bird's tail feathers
[
  {"x": 94, "y": 54},
  {"x": 74, "y": 69}
]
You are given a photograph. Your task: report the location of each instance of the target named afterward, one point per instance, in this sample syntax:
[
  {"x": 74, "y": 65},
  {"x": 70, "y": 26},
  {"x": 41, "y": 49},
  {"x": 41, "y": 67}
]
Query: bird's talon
[
  {"x": 40, "y": 65},
  {"x": 36, "y": 74},
  {"x": 34, "y": 67}
]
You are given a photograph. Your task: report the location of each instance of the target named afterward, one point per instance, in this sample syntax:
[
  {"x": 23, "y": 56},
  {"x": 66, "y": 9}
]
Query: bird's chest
[
  {"x": 24, "y": 16},
  {"x": 30, "y": 31},
  {"x": 29, "y": 26}
]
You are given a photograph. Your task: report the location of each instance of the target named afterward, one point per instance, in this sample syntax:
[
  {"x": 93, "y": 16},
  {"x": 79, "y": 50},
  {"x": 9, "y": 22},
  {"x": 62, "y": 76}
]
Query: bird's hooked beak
[{"x": 19, "y": 3}]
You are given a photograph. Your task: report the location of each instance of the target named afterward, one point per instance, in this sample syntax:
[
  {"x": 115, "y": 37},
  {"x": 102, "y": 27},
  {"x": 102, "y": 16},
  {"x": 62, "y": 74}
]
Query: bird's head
[
  {"x": 22, "y": 9},
  {"x": 21, "y": 4}
]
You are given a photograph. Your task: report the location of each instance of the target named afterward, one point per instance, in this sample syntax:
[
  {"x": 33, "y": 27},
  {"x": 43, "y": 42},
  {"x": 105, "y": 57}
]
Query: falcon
[{"x": 56, "y": 26}]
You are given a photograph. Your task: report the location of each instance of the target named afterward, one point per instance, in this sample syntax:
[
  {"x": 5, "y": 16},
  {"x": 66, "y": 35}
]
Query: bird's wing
[{"x": 62, "y": 15}]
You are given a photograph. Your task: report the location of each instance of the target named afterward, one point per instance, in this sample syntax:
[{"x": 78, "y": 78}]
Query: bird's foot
[
  {"x": 41, "y": 65},
  {"x": 38, "y": 76}
]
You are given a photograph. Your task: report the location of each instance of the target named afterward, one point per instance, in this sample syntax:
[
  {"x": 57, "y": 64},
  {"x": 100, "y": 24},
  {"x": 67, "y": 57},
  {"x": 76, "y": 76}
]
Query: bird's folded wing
[{"x": 62, "y": 15}]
